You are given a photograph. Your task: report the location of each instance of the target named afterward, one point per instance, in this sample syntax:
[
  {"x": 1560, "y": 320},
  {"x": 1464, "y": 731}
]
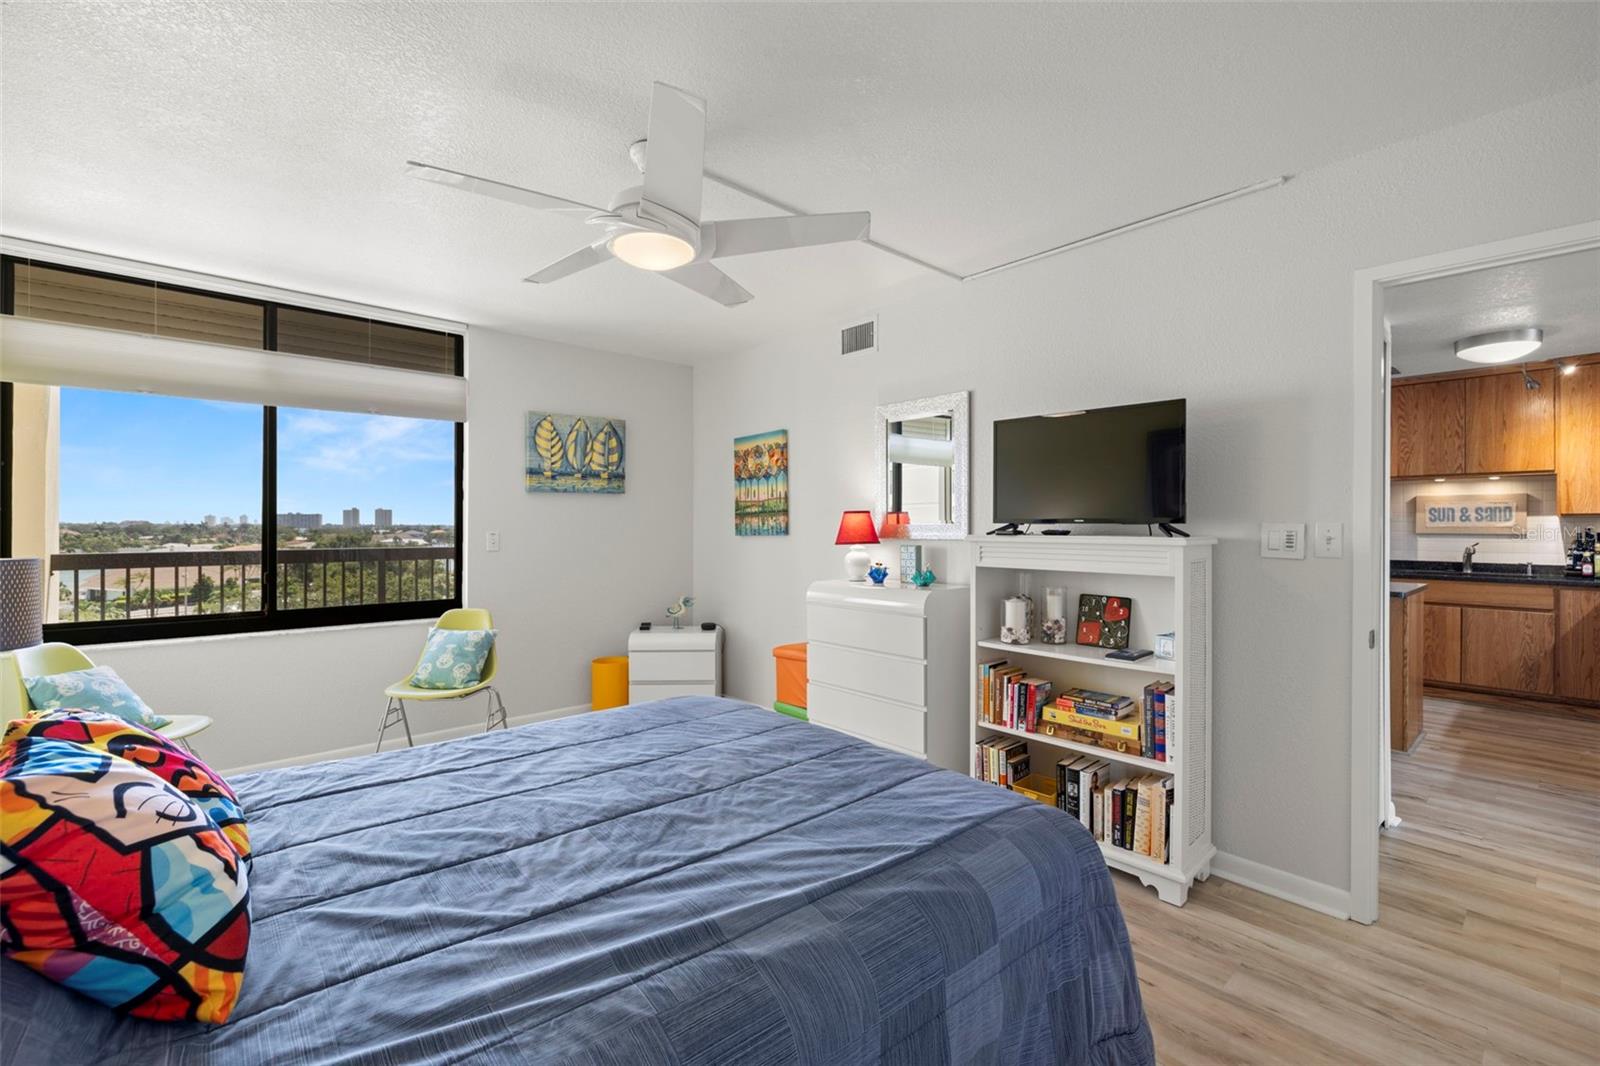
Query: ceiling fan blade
[
  {"x": 515, "y": 194},
  {"x": 674, "y": 154},
  {"x": 741, "y": 236},
  {"x": 707, "y": 280},
  {"x": 582, "y": 259}
]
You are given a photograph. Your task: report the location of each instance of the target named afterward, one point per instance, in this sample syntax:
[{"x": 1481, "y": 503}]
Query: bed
[{"x": 692, "y": 880}]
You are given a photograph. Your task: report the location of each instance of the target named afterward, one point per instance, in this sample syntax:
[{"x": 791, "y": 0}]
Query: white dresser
[
  {"x": 889, "y": 664},
  {"x": 663, "y": 662}
]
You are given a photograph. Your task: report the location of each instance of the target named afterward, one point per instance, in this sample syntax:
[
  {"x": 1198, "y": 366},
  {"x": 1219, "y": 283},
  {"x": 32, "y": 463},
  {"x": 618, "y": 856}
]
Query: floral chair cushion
[
  {"x": 95, "y": 689},
  {"x": 453, "y": 658}
]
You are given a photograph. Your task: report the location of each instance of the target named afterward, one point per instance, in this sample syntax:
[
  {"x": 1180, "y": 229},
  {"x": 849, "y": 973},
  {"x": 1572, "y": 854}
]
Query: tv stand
[
  {"x": 1010, "y": 529},
  {"x": 1170, "y": 530}
]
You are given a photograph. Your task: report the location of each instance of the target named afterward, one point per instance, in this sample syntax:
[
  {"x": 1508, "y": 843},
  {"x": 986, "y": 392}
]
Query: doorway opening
[{"x": 1476, "y": 661}]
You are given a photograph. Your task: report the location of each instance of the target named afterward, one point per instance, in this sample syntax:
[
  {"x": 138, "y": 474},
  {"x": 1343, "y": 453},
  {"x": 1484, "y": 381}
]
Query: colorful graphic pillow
[
  {"x": 116, "y": 885},
  {"x": 175, "y": 765},
  {"x": 454, "y": 658},
  {"x": 97, "y": 689}
]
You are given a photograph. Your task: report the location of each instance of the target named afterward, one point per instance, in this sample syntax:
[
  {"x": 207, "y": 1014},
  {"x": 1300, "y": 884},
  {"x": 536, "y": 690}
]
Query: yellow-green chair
[
  {"x": 57, "y": 658},
  {"x": 402, "y": 690}
]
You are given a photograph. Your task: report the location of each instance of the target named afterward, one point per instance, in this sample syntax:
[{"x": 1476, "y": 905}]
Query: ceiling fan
[{"x": 656, "y": 225}]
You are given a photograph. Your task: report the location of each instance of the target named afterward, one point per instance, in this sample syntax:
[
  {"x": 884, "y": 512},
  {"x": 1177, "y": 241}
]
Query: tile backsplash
[{"x": 1543, "y": 542}]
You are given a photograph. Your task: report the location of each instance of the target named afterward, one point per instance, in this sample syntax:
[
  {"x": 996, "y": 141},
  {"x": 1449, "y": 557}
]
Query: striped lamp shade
[{"x": 21, "y": 608}]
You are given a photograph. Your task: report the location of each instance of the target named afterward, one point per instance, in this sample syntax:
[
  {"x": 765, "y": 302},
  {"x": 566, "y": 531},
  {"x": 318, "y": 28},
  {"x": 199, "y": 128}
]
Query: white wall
[
  {"x": 1246, "y": 310},
  {"x": 573, "y": 576}
]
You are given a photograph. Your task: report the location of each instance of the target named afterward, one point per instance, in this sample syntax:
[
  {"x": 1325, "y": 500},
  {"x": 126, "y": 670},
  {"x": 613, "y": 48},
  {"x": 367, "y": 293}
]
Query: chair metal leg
[
  {"x": 394, "y": 712},
  {"x": 497, "y": 710}
]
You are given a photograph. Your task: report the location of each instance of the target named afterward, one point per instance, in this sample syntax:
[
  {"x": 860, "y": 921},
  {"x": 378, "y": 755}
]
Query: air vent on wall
[{"x": 861, "y": 337}]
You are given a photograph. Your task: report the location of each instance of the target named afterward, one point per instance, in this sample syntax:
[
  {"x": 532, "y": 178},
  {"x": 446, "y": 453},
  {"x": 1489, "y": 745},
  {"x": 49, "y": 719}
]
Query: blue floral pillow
[
  {"x": 97, "y": 689},
  {"x": 454, "y": 658}
]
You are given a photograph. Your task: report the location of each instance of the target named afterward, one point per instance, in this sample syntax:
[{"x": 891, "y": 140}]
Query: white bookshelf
[{"x": 1169, "y": 583}]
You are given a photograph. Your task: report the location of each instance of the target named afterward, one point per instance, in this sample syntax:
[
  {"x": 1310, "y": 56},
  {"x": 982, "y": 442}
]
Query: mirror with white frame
[{"x": 920, "y": 450}]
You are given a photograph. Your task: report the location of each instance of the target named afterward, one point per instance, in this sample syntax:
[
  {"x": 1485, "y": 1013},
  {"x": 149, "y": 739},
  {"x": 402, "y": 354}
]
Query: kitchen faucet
[{"x": 1466, "y": 557}]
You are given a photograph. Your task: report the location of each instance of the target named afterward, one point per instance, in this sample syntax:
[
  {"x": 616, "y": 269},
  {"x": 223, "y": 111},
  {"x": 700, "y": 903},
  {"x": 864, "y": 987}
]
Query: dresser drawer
[
  {"x": 891, "y": 634},
  {"x": 889, "y": 676},
  {"x": 892, "y": 724},
  {"x": 673, "y": 666}
]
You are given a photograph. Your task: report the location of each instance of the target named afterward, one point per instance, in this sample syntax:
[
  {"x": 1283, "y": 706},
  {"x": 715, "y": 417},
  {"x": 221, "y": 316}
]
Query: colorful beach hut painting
[
  {"x": 576, "y": 453},
  {"x": 761, "y": 484}
]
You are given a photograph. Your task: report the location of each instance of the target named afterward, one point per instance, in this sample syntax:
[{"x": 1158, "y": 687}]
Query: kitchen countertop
[
  {"x": 1489, "y": 573},
  {"x": 1401, "y": 589}
]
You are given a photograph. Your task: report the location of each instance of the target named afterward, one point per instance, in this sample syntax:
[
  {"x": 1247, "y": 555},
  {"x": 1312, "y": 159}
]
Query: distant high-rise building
[
  {"x": 244, "y": 520},
  {"x": 352, "y": 517},
  {"x": 210, "y": 520},
  {"x": 226, "y": 521},
  {"x": 299, "y": 520},
  {"x": 383, "y": 518}
]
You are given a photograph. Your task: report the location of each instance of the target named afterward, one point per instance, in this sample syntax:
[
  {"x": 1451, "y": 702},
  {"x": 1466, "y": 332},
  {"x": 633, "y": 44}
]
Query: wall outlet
[
  {"x": 1328, "y": 541},
  {"x": 1283, "y": 540},
  {"x": 491, "y": 541}
]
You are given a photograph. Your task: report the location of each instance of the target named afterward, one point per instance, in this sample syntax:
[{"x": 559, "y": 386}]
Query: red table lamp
[{"x": 856, "y": 529}]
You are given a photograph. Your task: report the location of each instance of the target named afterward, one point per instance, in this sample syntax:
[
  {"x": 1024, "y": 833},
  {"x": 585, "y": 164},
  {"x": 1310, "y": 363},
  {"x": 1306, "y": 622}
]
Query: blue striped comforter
[{"x": 692, "y": 880}]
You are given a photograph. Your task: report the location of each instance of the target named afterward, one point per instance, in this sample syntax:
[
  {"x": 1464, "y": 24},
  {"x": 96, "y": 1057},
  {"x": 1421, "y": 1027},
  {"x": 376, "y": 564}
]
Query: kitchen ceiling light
[
  {"x": 652, "y": 251},
  {"x": 1569, "y": 368},
  {"x": 1502, "y": 346}
]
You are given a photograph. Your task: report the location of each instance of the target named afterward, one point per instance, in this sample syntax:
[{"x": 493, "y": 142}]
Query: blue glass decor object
[
  {"x": 878, "y": 573},
  {"x": 923, "y": 578}
]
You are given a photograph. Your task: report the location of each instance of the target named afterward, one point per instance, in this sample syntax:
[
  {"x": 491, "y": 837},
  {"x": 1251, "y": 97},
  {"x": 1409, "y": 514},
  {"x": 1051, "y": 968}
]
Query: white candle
[{"x": 1055, "y": 603}]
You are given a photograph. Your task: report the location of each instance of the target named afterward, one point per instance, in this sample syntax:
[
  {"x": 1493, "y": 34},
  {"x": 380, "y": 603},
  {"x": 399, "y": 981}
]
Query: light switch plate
[
  {"x": 1283, "y": 540},
  {"x": 1327, "y": 541},
  {"x": 491, "y": 541}
]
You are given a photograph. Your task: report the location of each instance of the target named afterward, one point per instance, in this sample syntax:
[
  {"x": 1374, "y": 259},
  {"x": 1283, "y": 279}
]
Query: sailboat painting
[
  {"x": 761, "y": 484},
  {"x": 576, "y": 453}
]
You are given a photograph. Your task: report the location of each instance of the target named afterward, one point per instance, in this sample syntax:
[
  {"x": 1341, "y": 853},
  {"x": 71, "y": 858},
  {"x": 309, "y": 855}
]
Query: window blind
[{"x": 43, "y": 352}]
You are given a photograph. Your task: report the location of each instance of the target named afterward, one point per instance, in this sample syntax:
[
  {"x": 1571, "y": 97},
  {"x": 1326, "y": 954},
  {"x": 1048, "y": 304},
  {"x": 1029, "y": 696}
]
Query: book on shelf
[
  {"x": 1153, "y": 736},
  {"x": 1125, "y": 728},
  {"x": 1000, "y": 760},
  {"x": 1133, "y": 814},
  {"x": 1096, "y": 704}
]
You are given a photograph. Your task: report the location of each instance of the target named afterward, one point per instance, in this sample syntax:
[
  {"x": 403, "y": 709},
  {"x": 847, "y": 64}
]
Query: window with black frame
[{"x": 162, "y": 514}]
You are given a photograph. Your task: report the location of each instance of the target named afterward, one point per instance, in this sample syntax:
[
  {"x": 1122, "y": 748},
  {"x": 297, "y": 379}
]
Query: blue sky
[{"x": 166, "y": 459}]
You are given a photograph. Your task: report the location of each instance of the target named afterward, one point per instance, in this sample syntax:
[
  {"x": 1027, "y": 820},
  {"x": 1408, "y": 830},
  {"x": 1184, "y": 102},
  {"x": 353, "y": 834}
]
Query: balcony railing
[{"x": 113, "y": 586}]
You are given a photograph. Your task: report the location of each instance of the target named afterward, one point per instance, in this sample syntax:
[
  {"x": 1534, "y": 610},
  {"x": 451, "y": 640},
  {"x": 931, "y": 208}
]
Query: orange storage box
[{"x": 791, "y": 660}]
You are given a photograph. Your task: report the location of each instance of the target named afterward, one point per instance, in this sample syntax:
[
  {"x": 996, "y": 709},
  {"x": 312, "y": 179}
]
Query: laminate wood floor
[{"x": 1487, "y": 946}]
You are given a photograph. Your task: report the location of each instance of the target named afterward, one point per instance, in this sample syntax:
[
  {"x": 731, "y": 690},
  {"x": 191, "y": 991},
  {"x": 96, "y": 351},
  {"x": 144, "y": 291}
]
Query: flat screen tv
[{"x": 1110, "y": 465}]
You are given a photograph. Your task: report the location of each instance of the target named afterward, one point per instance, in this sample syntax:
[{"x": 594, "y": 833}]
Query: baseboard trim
[
  {"x": 397, "y": 738},
  {"x": 1293, "y": 888}
]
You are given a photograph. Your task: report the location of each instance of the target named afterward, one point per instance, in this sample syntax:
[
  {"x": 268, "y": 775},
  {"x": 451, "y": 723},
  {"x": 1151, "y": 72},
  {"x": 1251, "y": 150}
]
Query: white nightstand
[{"x": 663, "y": 662}]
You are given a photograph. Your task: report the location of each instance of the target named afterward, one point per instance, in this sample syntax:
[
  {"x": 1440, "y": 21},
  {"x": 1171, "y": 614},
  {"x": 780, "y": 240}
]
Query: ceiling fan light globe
[{"x": 652, "y": 251}]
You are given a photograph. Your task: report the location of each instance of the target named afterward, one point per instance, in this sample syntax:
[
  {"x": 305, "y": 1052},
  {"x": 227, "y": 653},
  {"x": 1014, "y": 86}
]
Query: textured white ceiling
[
  {"x": 1559, "y": 294},
  {"x": 266, "y": 141}
]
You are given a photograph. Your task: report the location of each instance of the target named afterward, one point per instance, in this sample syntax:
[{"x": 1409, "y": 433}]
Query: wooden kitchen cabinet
[
  {"x": 1508, "y": 649},
  {"x": 1578, "y": 441},
  {"x": 1441, "y": 643},
  {"x": 1578, "y": 644},
  {"x": 1428, "y": 428},
  {"x": 1509, "y": 427}
]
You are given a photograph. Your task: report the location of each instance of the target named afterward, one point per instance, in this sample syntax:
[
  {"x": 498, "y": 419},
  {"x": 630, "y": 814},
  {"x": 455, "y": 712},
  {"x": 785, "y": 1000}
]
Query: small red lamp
[
  {"x": 855, "y": 529},
  {"x": 894, "y": 524}
]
